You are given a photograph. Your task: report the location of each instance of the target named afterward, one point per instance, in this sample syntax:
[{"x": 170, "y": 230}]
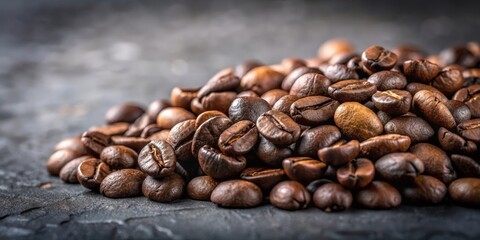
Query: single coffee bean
[
  {"x": 223, "y": 81},
  {"x": 433, "y": 109},
  {"x": 165, "y": 189},
  {"x": 388, "y": 80},
  {"x": 466, "y": 166},
  {"x": 201, "y": 188},
  {"x": 242, "y": 68},
  {"x": 126, "y": 112},
  {"x": 135, "y": 143},
  {"x": 376, "y": 147},
  {"x": 270, "y": 154},
  {"x": 459, "y": 110},
  {"x": 471, "y": 97},
  {"x": 203, "y": 117},
  {"x": 68, "y": 173},
  {"x": 59, "y": 159},
  {"x": 436, "y": 161},
  {"x": 170, "y": 116},
  {"x": 352, "y": 91},
  {"x": 247, "y": 108},
  {"x": 218, "y": 101},
  {"x": 339, "y": 153},
  {"x": 465, "y": 191},
  {"x": 273, "y": 95},
  {"x": 123, "y": 183},
  {"x": 290, "y": 64},
  {"x": 181, "y": 138},
  {"x": 295, "y": 74},
  {"x": 394, "y": 102},
  {"x": 310, "y": 84},
  {"x": 452, "y": 142},
  {"x": 290, "y": 195},
  {"x": 421, "y": 70},
  {"x": 357, "y": 174},
  {"x": 91, "y": 172},
  {"x": 378, "y": 195},
  {"x": 261, "y": 79},
  {"x": 317, "y": 138},
  {"x": 278, "y": 128},
  {"x": 150, "y": 130},
  {"x": 209, "y": 132},
  {"x": 303, "y": 169},
  {"x": 376, "y": 58},
  {"x": 413, "y": 88},
  {"x": 399, "y": 168},
  {"x": 96, "y": 141},
  {"x": 470, "y": 129},
  {"x": 237, "y": 194},
  {"x": 119, "y": 157},
  {"x": 182, "y": 97},
  {"x": 357, "y": 121},
  {"x": 73, "y": 143},
  {"x": 238, "y": 139},
  {"x": 334, "y": 46},
  {"x": 448, "y": 81},
  {"x": 264, "y": 178},
  {"x": 157, "y": 159},
  {"x": 113, "y": 129},
  {"x": 417, "y": 129},
  {"x": 332, "y": 197},
  {"x": 313, "y": 110},
  {"x": 283, "y": 104},
  {"x": 155, "y": 107},
  {"x": 314, "y": 185},
  {"x": 339, "y": 72},
  {"x": 218, "y": 165},
  {"x": 196, "y": 106},
  {"x": 136, "y": 128},
  {"x": 424, "y": 190}
]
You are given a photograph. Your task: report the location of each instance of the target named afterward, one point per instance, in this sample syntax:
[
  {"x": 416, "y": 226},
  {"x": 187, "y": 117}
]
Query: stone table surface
[{"x": 64, "y": 63}]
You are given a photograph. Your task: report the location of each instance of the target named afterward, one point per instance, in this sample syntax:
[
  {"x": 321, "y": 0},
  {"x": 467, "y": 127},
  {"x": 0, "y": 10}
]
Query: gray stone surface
[{"x": 63, "y": 63}]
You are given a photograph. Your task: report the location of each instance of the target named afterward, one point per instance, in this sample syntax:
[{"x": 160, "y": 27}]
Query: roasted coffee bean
[
  {"x": 165, "y": 189},
  {"x": 357, "y": 121},
  {"x": 332, "y": 197},
  {"x": 218, "y": 101},
  {"x": 263, "y": 177},
  {"x": 180, "y": 138},
  {"x": 313, "y": 110},
  {"x": 290, "y": 195},
  {"x": 290, "y": 64},
  {"x": 471, "y": 97},
  {"x": 273, "y": 95},
  {"x": 68, "y": 173},
  {"x": 136, "y": 128},
  {"x": 271, "y": 154},
  {"x": 150, "y": 130},
  {"x": 461, "y": 55},
  {"x": 399, "y": 168},
  {"x": 317, "y": 138},
  {"x": 203, "y": 117},
  {"x": 384, "y": 117},
  {"x": 408, "y": 52},
  {"x": 424, "y": 190},
  {"x": 247, "y": 108},
  {"x": 388, "y": 80},
  {"x": 339, "y": 72},
  {"x": 237, "y": 194},
  {"x": 113, "y": 129},
  {"x": 135, "y": 143},
  {"x": 123, "y": 183},
  {"x": 314, "y": 185},
  {"x": 376, "y": 58},
  {"x": 417, "y": 129},
  {"x": 352, "y": 91},
  {"x": 310, "y": 84},
  {"x": 421, "y": 70},
  {"x": 73, "y": 143},
  {"x": 342, "y": 58},
  {"x": 459, "y": 110},
  {"x": 182, "y": 97},
  {"x": 334, "y": 46},
  {"x": 59, "y": 159},
  {"x": 156, "y": 107},
  {"x": 126, "y": 112},
  {"x": 448, "y": 81},
  {"x": 242, "y": 68},
  {"x": 161, "y": 135},
  {"x": 238, "y": 139},
  {"x": 356, "y": 174},
  {"x": 91, "y": 172},
  {"x": 376, "y": 147},
  {"x": 200, "y": 188},
  {"x": 96, "y": 141},
  {"x": 378, "y": 195},
  {"x": 220, "y": 82},
  {"x": 157, "y": 159},
  {"x": 465, "y": 191},
  {"x": 278, "y": 128},
  {"x": 470, "y": 130},
  {"x": 170, "y": 116},
  {"x": 452, "y": 142},
  {"x": 209, "y": 132},
  {"x": 218, "y": 165},
  {"x": 283, "y": 104},
  {"x": 196, "y": 106},
  {"x": 119, "y": 157},
  {"x": 394, "y": 102},
  {"x": 433, "y": 109},
  {"x": 261, "y": 79},
  {"x": 413, "y": 88},
  {"x": 295, "y": 74},
  {"x": 466, "y": 166},
  {"x": 303, "y": 169},
  {"x": 436, "y": 161},
  {"x": 339, "y": 153}
]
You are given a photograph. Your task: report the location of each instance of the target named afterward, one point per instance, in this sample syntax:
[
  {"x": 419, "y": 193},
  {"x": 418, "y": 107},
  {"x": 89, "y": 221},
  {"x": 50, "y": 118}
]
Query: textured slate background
[{"x": 63, "y": 63}]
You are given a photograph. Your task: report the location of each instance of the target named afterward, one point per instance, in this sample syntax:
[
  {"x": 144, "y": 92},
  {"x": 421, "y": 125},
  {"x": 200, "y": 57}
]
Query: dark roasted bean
[
  {"x": 357, "y": 121},
  {"x": 238, "y": 139},
  {"x": 388, "y": 80},
  {"x": 394, "y": 102},
  {"x": 332, "y": 197},
  {"x": 119, "y": 157},
  {"x": 436, "y": 162},
  {"x": 465, "y": 191},
  {"x": 218, "y": 165},
  {"x": 313, "y": 110},
  {"x": 200, "y": 188},
  {"x": 165, "y": 189},
  {"x": 352, "y": 91},
  {"x": 303, "y": 169},
  {"x": 263, "y": 177},
  {"x": 209, "y": 132},
  {"x": 91, "y": 172},
  {"x": 414, "y": 127},
  {"x": 290, "y": 195},
  {"x": 433, "y": 109},
  {"x": 123, "y": 183},
  {"x": 247, "y": 108},
  {"x": 237, "y": 194},
  {"x": 378, "y": 195},
  {"x": 278, "y": 128},
  {"x": 356, "y": 174},
  {"x": 399, "y": 168},
  {"x": 376, "y": 147},
  {"x": 317, "y": 138},
  {"x": 157, "y": 159},
  {"x": 126, "y": 112},
  {"x": 424, "y": 190},
  {"x": 310, "y": 84},
  {"x": 340, "y": 153}
]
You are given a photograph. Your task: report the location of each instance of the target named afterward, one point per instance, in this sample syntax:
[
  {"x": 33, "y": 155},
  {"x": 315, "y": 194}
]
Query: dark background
[{"x": 64, "y": 63}]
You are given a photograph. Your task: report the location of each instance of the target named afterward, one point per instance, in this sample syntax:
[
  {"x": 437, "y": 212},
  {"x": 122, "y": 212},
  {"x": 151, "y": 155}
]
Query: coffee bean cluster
[{"x": 372, "y": 130}]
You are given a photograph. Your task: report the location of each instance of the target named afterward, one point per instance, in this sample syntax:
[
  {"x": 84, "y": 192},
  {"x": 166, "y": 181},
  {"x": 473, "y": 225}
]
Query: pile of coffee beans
[{"x": 371, "y": 130}]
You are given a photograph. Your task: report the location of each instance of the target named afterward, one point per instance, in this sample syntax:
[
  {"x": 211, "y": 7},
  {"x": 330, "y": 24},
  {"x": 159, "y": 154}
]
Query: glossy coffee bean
[
  {"x": 376, "y": 147},
  {"x": 170, "y": 116},
  {"x": 352, "y": 91},
  {"x": 290, "y": 195},
  {"x": 295, "y": 74},
  {"x": 388, "y": 80},
  {"x": 155, "y": 107},
  {"x": 59, "y": 159},
  {"x": 247, "y": 108},
  {"x": 424, "y": 190},
  {"x": 417, "y": 129},
  {"x": 237, "y": 194},
  {"x": 136, "y": 128},
  {"x": 244, "y": 67},
  {"x": 201, "y": 188},
  {"x": 264, "y": 178},
  {"x": 357, "y": 121},
  {"x": 413, "y": 88},
  {"x": 91, "y": 172},
  {"x": 204, "y": 116},
  {"x": 196, "y": 106},
  {"x": 448, "y": 81},
  {"x": 465, "y": 166},
  {"x": 223, "y": 81},
  {"x": 278, "y": 128},
  {"x": 113, "y": 129},
  {"x": 421, "y": 70},
  {"x": 160, "y": 135},
  {"x": 313, "y": 110},
  {"x": 135, "y": 143},
  {"x": 340, "y": 153},
  {"x": 454, "y": 143},
  {"x": 334, "y": 46},
  {"x": 342, "y": 58},
  {"x": 180, "y": 138},
  {"x": 95, "y": 141},
  {"x": 290, "y": 64},
  {"x": 376, "y": 58},
  {"x": 283, "y": 104},
  {"x": 470, "y": 129},
  {"x": 218, "y": 165},
  {"x": 119, "y": 157},
  {"x": 433, "y": 110},
  {"x": 209, "y": 132},
  {"x": 157, "y": 159},
  {"x": 339, "y": 72},
  {"x": 239, "y": 138},
  {"x": 218, "y": 101},
  {"x": 399, "y": 168},
  {"x": 273, "y": 95},
  {"x": 165, "y": 189},
  {"x": 182, "y": 97},
  {"x": 465, "y": 191},
  {"x": 123, "y": 183},
  {"x": 126, "y": 112},
  {"x": 436, "y": 161},
  {"x": 317, "y": 138},
  {"x": 303, "y": 169},
  {"x": 356, "y": 174},
  {"x": 73, "y": 143},
  {"x": 470, "y": 96},
  {"x": 394, "y": 102},
  {"x": 68, "y": 173},
  {"x": 314, "y": 185},
  {"x": 332, "y": 197},
  {"x": 150, "y": 130},
  {"x": 261, "y": 79},
  {"x": 310, "y": 84},
  {"x": 378, "y": 195},
  {"x": 270, "y": 154},
  {"x": 459, "y": 110}
]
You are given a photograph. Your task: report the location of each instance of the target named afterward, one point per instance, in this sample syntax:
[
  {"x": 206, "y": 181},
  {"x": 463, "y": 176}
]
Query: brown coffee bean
[
  {"x": 196, "y": 106},
  {"x": 313, "y": 110},
  {"x": 203, "y": 117},
  {"x": 470, "y": 130},
  {"x": 218, "y": 101},
  {"x": 421, "y": 70},
  {"x": 119, "y": 157},
  {"x": 424, "y": 190},
  {"x": 352, "y": 91},
  {"x": 357, "y": 121},
  {"x": 332, "y": 197},
  {"x": 181, "y": 138},
  {"x": 165, "y": 189},
  {"x": 339, "y": 72},
  {"x": 278, "y": 128},
  {"x": 223, "y": 81},
  {"x": 461, "y": 55},
  {"x": 465, "y": 191},
  {"x": 238, "y": 139},
  {"x": 436, "y": 161},
  {"x": 339, "y": 153},
  {"x": 209, "y": 132},
  {"x": 161, "y": 135},
  {"x": 273, "y": 95},
  {"x": 283, "y": 104},
  {"x": 170, "y": 116},
  {"x": 135, "y": 143},
  {"x": 303, "y": 169},
  {"x": 68, "y": 173},
  {"x": 122, "y": 184},
  {"x": 218, "y": 165},
  {"x": 394, "y": 102},
  {"x": 413, "y": 88},
  {"x": 378, "y": 195},
  {"x": 310, "y": 84},
  {"x": 155, "y": 107},
  {"x": 317, "y": 138},
  {"x": 201, "y": 188},
  {"x": 263, "y": 177},
  {"x": 242, "y": 68},
  {"x": 417, "y": 129},
  {"x": 290, "y": 195},
  {"x": 290, "y": 64},
  {"x": 182, "y": 97},
  {"x": 113, "y": 129},
  {"x": 247, "y": 108},
  {"x": 471, "y": 97},
  {"x": 59, "y": 159},
  {"x": 261, "y": 79},
  {"x": 459, "y": 110},
  {"x": 295, "y": 74},
  {"x": 388, "y": 80},
  {"x": 73, "y": 143},
  {"x": 91, "y": 172},
  {"x": 448, "y": 81},
  {"x": 136, "y": 128},
  {"x": 399, "y": 168},
  {"x": 376, "y": 147},
  {"x": 126, "y": 112},
  {"x": 95, "y": 141},
  {"x": 376, "y": 58},
  {"x": 334, "y": 46},
  {"x": 466, "y": 166},
  {"x": 433, "y": 109},
  {"x": 237, "y": 194},
  {"x": 157, "y": 159},
  {"x": 150, "y": 130},
  {"x": 342, "y": 58},
  {"x": 452, "y": 142},
  {"x": 270, "y": 154},
  {"x": 357, "y": 174}
]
